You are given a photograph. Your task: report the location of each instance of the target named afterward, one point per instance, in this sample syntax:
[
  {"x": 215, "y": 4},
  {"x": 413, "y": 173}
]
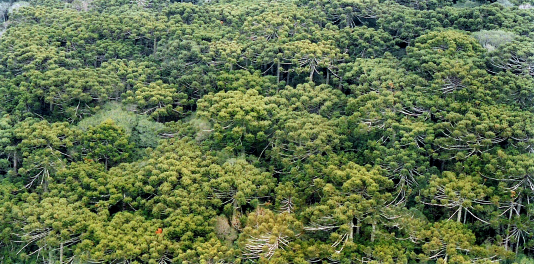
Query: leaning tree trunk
[{"x": 311, "y": 73}]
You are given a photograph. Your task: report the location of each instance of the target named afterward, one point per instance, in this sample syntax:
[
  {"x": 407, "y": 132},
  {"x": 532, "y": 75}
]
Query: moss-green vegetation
[{"x": 289, "y": 131}]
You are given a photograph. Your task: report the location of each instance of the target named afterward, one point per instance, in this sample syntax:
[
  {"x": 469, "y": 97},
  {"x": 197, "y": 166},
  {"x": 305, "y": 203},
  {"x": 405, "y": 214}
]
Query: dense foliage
[{"x": 258, "y": 131}]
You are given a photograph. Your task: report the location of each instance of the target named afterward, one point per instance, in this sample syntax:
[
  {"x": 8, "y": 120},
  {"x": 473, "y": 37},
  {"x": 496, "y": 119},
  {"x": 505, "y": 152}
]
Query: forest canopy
[{"x": 260, "y": 131}]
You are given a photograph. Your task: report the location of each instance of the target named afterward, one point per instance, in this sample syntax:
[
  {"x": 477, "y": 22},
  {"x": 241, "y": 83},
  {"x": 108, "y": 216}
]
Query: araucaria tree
[{"x": 288, "y": 131}]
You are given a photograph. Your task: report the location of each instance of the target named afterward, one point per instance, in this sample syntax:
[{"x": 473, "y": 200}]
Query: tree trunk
[
  {"x": 15, "y": 161},
  {"x": 288, "y": 72},
  {"x": 519, "y": 201},
  {"x": 155, "y": 47},
  {"x": 373, "y": 231},
  {"x": 459, "y": 215},
  {"x": 465, "y": 216},
  {"x": 358, "y": 224},
  {"x": 508, "y": 229},
  {"x": 327, "y": 76},
  {"x": 45, "y": 180},
  {"x": 351, "y": 230},
  {"x": 61, "y": 253},
  {"x": 278, "y": 72},
  {"x": 50, "y": 257}
]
